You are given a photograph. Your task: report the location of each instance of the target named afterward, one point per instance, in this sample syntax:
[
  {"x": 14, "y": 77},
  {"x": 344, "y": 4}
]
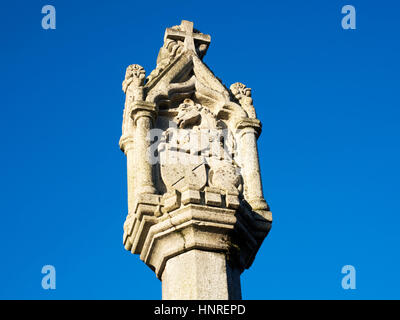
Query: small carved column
[
  {"x": 247, "y": 134},
  {"x": 143, "y": 115},
  {"x": 138, "y": 118},
  {"x": 133, "y": 89},
  {"x": 127, "y": 145}
]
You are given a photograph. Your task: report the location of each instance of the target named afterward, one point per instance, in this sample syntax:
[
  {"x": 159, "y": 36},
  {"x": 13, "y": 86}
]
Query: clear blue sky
[{"x": 329, "y": 151}]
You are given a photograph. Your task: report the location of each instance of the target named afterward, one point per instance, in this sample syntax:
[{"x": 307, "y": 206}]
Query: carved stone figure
[{"x": 194, "y": 183}]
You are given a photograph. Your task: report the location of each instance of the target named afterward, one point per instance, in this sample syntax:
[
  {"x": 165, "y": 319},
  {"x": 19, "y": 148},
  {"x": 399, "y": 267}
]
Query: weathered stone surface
[
  {"x": 196, "y": 210},
  {"x": 200, "y": 275}
]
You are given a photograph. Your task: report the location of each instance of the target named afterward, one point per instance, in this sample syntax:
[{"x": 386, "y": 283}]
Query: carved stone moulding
[
  {"x": 138, "y": 222},
  {"x": 189, "y": 226}
]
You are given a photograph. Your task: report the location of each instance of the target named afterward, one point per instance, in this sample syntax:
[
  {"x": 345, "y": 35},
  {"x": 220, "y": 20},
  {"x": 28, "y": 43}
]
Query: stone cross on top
[{"x": 187, "y": 35}]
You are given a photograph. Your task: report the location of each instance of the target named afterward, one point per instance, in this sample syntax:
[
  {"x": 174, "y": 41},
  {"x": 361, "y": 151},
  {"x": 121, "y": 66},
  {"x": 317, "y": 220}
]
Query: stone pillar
[
  {"x": 248, "y": 131},
  {"x": 143, "y": 115},
  {"x": 128, "y": 146},
  {"x": 200, "y": 275},
  {"x": 143, "y": 201},
  {"x": 135, "y": 143},
  {"x": 132, "y": 86}
]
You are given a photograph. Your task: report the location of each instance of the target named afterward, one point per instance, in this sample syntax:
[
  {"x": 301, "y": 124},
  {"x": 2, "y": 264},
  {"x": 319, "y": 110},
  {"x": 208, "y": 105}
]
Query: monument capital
[
  {"x": 196, "y": 209},
  {"x": 144, "y": 109}
]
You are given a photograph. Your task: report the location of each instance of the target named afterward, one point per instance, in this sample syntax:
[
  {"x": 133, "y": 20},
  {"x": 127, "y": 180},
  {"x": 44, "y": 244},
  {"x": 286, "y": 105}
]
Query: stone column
[
  {"x": 200, "y": 275},
  {"x": 198, "y": 251},
  {"x": 143, "y": 115},
  {"x": 143, "y": 201},
  {"x": 128, "y": 146},
  {"x": 247, "y": 134},
  {"x": 132, "y": 86}
]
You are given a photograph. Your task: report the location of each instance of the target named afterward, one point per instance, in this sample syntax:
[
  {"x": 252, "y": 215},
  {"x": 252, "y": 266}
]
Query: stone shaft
[
  {"x": 200, "y": 275},
  {"x": 251, "y": 166},
  {"x": 143, "y": 163},
  {"x": 131, "y": 168}
]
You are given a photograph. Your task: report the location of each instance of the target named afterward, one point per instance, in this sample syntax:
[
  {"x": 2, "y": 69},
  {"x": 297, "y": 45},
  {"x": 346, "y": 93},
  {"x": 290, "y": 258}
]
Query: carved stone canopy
[{"x": 193, "y": 172}]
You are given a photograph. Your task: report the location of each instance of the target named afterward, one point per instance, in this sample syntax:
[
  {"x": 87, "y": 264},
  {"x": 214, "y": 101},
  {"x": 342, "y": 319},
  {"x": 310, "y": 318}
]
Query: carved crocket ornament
[
  {"x": 243, "y": 95},
  {"x": 132, "y": 86}
]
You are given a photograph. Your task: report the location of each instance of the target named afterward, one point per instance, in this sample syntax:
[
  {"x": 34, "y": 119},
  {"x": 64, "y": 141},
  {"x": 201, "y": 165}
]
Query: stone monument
[{"x": 196, "y": 211}]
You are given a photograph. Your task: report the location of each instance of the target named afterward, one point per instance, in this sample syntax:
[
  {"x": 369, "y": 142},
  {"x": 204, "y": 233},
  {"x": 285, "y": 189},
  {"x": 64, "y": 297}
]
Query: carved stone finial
[
  {"x": 240, "y": 90},
  {"x": 243, "y": 95},
  {"x": 133, "y": 88},
  {"x": 135, "y": 74},
  {"x": 188, "y": 35},
  {"x": 177, "y": 40}
]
